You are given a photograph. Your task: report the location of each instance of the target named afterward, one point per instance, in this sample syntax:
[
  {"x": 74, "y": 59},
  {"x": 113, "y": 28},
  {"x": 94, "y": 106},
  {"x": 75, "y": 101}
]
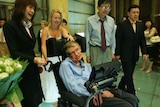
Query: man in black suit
[{"x": 129, "y": 37}]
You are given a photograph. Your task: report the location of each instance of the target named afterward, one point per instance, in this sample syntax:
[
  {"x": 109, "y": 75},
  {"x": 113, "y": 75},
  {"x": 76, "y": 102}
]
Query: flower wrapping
[
  {"x": 10, "y": 75},
  {"x": 8, "y": 83}
]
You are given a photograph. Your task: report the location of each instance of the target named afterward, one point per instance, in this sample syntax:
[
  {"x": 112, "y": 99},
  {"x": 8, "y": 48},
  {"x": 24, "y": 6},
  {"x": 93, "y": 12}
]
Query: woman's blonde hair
[{"x": 51, "y": 14}]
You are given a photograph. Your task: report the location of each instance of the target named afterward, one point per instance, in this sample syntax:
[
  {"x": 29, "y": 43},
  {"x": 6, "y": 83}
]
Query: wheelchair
[{"x": 102, "y": 76}]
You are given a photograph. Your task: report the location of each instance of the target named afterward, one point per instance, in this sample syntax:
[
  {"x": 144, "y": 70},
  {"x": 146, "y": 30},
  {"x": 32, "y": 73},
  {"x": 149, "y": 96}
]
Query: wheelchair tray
[{"x": 105, "y": 71}]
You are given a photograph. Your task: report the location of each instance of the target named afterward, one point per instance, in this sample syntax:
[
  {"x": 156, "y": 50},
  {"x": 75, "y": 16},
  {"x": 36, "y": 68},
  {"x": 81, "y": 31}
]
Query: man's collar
[
  {"x": 98, "y": 18},
  {"x": 70, "y": 60},
  {"x": 132, "y": 21}
]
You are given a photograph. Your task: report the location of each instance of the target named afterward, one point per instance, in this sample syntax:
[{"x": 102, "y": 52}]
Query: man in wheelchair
[{"x": 74, "y": 74}]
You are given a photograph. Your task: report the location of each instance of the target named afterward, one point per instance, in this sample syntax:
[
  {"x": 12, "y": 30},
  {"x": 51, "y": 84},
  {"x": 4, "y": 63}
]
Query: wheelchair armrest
[{"x": 70, "y": 97}]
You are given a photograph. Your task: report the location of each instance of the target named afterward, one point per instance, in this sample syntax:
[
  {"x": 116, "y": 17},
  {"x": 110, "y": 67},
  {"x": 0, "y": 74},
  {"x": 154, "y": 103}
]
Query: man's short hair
[
  {"x": 69, "y": 45},
  {"x": 133, "y": 6},
  {"x": 103, "y": 2}
]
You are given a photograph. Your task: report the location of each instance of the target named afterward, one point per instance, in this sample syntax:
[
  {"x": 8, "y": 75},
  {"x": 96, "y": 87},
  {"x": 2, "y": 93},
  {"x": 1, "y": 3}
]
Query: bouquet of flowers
[{"x": 10, "y": 74}]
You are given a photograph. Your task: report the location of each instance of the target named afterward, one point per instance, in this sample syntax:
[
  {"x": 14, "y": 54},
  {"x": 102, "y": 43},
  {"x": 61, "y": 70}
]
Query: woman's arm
[
  {"x": 43, "y": 43},
  {"x": 152, "y": 32},
  {"x": 66, "y": 35}
]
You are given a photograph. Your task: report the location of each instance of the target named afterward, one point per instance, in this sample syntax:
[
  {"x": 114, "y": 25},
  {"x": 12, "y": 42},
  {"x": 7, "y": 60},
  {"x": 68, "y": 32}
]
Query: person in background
[
  {"x": 44, "y": 24},
  {"x": 74, "y": 73},
  {"x": 100, "y": 38},
  {"x": 3, "y": 46},
  {"x": 21, "y": 40},
  {"x": 152, "y": 52},
  {"x": 64, "y": 23},
  {"x": 124, "y": 18},
  {"x": 129, "y": 37},
  {"x": 53, "y": 30}
]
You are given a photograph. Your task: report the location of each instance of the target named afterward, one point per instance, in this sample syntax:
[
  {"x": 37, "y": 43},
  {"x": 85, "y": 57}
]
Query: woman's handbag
[{"x": 155, "y": 39}]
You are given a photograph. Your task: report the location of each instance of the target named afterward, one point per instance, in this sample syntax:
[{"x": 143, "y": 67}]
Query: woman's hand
[
  {"x": 70, "y": 38},
  {"x": 40, "y": 61},
  {"x": 8, "y": 103}
]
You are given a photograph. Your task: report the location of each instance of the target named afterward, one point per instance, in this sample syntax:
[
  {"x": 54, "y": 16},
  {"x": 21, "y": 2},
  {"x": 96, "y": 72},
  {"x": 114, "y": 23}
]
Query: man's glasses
[
  {"x": 106, "y": 8},
  {"x": 77, "y": 50}
]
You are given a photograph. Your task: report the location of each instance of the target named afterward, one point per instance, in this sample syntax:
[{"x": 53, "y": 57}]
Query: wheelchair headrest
[{"x": 55, "y": 47}]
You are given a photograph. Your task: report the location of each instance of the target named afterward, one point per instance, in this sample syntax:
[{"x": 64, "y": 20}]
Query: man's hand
[
  {"x": 107, "y": 93},
  {"x": 88, "y": 59},
  {"x": 98, "y": 101},
  {"x": 117, "y": 57},
  {"x": 113, "y": 56}
]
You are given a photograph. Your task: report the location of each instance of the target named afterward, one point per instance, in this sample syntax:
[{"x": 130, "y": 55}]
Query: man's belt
[{"x": 98, "y": 46}]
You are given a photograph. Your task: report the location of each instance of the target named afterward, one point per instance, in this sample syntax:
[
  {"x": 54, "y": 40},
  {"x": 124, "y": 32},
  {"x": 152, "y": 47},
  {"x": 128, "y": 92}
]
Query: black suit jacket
[
  {"x": 22, "y": 46},
  {"x": 128, "y": 41}
]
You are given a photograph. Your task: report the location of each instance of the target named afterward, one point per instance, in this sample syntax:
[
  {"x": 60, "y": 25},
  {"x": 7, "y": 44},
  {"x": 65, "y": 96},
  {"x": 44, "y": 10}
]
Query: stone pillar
[
  {"x": 96, "y": 4},
  {"x": 121, "y": 9},
  {"x": 157, "y": 16},
  {"x": 62, "y": 5},
  {"x": 113, "y": 11},
  {"x": 135, "y": 2}
]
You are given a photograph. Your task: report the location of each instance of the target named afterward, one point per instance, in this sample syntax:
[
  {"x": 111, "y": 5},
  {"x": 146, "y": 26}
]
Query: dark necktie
[{"x": 103, "y": 38}]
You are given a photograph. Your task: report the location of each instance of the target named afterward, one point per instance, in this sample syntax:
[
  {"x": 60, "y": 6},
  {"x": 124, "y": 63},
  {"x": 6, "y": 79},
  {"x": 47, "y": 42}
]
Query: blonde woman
[{"x": 53, "y": 30}]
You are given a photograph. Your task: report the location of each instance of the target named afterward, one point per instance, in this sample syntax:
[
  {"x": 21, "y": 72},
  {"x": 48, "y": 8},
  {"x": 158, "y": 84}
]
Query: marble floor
[{"x": 147, "y": 86}]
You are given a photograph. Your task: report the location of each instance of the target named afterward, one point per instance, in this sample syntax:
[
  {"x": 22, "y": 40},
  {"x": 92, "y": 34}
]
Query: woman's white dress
[{"x": 49, "y": 85}]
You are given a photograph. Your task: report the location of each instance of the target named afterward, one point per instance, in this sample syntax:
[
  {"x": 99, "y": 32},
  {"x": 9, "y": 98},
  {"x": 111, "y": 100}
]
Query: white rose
[
  {"x": 9, "y": 69},
  {"x": 17, "y": 66},
  {"x": 3, "y": 75},
  {"x": 1, "y": 62},
  {"x": 8, "y": 61}
]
